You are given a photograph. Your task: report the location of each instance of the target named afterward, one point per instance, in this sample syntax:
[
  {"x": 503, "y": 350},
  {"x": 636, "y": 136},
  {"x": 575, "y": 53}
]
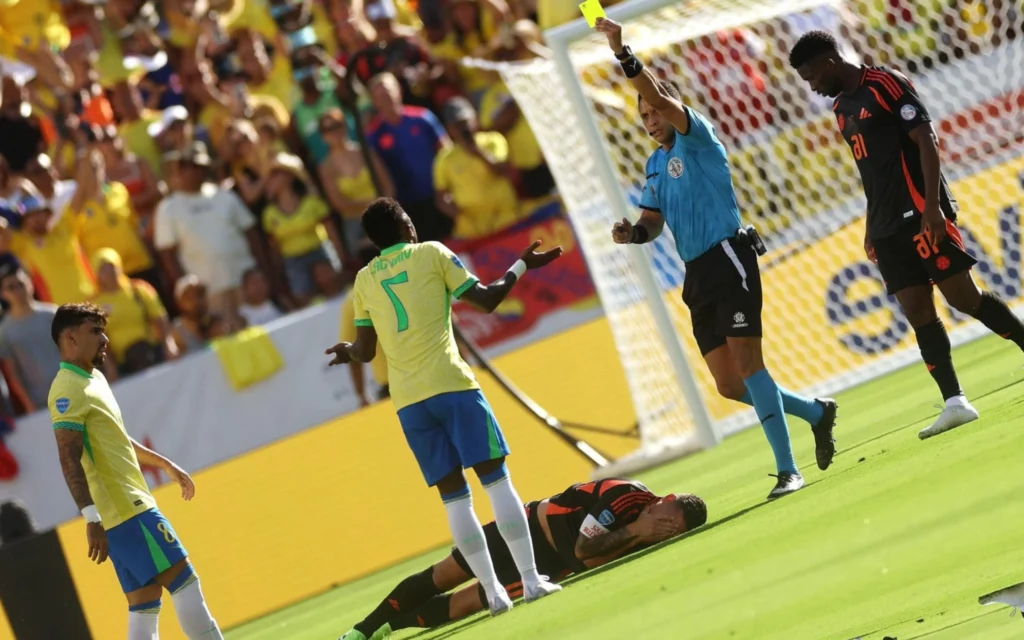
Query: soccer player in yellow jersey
[
  {"x": 101, "y": 466},
  {"x": 403, "y": 298}
]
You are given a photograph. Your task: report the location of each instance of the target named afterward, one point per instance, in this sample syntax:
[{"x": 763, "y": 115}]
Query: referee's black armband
[
  {"x": 640, "y": 235},
  {"x": 632, "y": 66}
]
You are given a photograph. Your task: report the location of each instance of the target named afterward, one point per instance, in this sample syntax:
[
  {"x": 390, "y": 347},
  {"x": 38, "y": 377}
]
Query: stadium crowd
[{"x": 197, "y": 166}]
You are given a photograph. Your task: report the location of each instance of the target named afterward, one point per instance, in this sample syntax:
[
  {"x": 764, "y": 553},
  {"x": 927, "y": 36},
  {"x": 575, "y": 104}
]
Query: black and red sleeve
[
  {"x": 896, "y": 94},
  {"x": 619, "y": 504}
]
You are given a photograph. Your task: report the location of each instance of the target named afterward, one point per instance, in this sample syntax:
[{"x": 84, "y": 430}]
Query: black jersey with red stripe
[
  {"x": 591, "y": 509},
  {"x": 876, "y": 119}
]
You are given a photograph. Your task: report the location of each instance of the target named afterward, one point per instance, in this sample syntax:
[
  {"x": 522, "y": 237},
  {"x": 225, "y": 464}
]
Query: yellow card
[{"x": 592, "y": 10}]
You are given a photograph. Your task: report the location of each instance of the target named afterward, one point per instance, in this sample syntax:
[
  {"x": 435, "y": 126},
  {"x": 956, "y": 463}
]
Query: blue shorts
[
  {"x": 142, "y": 548},
  {"x": 452, "y": 431}
]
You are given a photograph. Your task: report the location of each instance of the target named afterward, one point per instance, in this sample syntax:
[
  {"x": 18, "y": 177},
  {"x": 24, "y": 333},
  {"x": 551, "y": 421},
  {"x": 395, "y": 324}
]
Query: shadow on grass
[
  {"x": 922, "y": 419},
  {"x": 952, "y": 625}
]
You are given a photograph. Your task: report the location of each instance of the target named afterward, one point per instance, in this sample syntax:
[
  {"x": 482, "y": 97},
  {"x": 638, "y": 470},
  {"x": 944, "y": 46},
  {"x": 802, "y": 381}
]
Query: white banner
[{"x": 188, "y": 411}]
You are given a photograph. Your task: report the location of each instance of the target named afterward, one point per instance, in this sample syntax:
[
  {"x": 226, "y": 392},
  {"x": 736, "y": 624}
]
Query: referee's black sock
[
  {"x": 409, "y": 595},
  {"x": 994, "y": 314},
  {"x": 933, "y": 341},
  {"x": 432, "y": 613}
]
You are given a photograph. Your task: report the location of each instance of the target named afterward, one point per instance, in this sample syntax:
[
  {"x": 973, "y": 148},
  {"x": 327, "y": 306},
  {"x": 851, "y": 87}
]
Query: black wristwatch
[{"x": 625, "y": 54}]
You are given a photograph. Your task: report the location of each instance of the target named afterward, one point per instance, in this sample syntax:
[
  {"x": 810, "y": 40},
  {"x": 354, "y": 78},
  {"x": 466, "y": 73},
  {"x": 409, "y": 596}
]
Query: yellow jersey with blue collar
[
  {"x": 83, "y": 401},
  {"x": 405, "y": 294}
]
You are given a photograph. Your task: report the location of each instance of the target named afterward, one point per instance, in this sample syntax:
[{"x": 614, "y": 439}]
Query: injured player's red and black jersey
[
  {"x": 593, "y": 509},
  {"x": 876, "y": 120}
]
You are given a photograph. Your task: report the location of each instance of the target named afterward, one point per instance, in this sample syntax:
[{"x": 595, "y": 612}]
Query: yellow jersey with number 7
[{"x": 405, "y": 295}]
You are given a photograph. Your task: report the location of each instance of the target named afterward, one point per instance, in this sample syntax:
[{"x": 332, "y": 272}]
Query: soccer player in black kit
[
  {"x": 911, "y": 223},
  {"x": 587, "y": 525}
]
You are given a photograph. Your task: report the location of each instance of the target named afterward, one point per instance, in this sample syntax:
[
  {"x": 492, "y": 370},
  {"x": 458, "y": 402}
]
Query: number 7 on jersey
[{"x": 403, "y": 317}]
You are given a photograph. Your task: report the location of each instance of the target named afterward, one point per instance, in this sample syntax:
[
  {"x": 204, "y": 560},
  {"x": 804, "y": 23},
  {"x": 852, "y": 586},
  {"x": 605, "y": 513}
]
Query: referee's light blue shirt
[{"x": 691, "y": 187}]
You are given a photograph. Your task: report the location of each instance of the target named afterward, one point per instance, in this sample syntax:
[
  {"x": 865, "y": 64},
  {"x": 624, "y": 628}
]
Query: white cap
[
  {"x": 147, "y": 63},
  {"x": 19, "y": 71},
  {"x": 380, "y": 10},
  {"x": 168, "y": 116}
]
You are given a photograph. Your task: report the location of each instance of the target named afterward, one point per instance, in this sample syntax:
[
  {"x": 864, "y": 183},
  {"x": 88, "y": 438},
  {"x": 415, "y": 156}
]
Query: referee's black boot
[
  {"x": 824, "y": 443},
  {"x": 788, "y": 483}
]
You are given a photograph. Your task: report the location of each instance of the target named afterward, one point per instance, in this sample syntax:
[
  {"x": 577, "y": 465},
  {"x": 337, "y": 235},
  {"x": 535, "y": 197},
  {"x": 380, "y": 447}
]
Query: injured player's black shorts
[
  {"x": 722, "y": 288},
  {"x": 907, "y": 258},
  {"x": 549, "y": 563}
]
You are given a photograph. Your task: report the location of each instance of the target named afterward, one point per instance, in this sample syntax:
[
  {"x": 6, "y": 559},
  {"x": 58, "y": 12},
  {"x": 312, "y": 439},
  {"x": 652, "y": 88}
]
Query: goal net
[{"x": 827, "y": 321}]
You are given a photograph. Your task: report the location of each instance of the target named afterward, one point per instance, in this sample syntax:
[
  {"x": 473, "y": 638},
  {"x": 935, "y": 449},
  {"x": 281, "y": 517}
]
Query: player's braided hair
[
  {"x": 383, "y": 223},
  {"x": 695, "y": 512},
  {"x": 811, "y": 45},
  {"x": 70, "y": 316}
]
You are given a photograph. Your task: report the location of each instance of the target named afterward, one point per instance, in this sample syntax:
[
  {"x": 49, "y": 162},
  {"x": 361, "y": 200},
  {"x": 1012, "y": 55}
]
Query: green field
[{"x": 898, "y": 538}]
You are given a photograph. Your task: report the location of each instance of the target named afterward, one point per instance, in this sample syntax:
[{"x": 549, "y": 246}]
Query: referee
[{"x": 689, "y": 187}]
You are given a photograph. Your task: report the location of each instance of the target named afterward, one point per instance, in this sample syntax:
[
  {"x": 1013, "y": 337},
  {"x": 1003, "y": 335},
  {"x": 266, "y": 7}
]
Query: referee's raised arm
[{"x": 643, "y": 80}]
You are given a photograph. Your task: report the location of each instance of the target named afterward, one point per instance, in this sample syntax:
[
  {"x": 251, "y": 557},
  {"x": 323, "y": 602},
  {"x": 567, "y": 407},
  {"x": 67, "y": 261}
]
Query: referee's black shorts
[
  {"x": 722, "y": 288},
  {"x": 549, "y": 563}
]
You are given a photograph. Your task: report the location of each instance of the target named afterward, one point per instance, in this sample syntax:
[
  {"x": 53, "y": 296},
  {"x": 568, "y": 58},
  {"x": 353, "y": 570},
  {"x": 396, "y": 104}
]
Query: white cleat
[
  {"x": 500, "y": 604},
  {"x": 1013, "y": 596},
  {"x": 537, "y": 591},
  {"x": 958, "y": 412}
]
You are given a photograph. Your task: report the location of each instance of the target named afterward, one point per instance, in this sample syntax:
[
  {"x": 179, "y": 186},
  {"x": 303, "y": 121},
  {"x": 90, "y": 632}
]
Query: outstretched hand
[
  {"x": 535, "y": 260},
  {"x": 340, "y": 353},
  {"x": 622, "y": 232},
  {"x": 613, "y": 31}
]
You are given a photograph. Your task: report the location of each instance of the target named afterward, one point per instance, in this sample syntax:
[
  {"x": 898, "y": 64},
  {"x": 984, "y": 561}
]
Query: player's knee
[
  {"x": 452, "y": 484},
  {"x": 732, "y": 389}
]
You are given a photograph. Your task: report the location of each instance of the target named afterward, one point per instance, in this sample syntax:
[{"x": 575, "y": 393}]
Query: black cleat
[
  {"x": 824, "y": 443},
  {"x": 788, "y": 483}
]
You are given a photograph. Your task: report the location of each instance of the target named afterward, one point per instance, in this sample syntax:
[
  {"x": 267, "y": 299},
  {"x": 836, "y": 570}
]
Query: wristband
[
  {"x": 519, "y": 268},
  {"x": 91, "y": 514},
  {"x": 640, "y": 235},
  {"x": 632, "y": 66},
  {"x": 625, "y": 54}
]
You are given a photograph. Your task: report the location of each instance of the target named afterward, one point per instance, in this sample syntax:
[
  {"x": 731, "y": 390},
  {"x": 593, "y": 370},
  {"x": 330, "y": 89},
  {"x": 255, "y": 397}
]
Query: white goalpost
[{"x": 828, "y": 324}]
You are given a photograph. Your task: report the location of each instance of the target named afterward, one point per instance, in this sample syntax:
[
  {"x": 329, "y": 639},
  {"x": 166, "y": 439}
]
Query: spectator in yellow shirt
[
  {"x": 346, "y": 177},
  {"x": 137, "y": 324},
  {"x": 471, "y": 177},
  {"x": 297, "y": 223},
  {"x": 379, "y": 364},
  {"x": 132, "y": 172},
  {"x": 473, "y": 35},
  {"x": 265, "y": 75},
  {"x": 49, "y": 249},
  {"x": 134, "y": 122}
]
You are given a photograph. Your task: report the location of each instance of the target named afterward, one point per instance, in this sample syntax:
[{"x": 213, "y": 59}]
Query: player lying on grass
[
  {"x": 101, "y": 466},
  {"x": 689, "y": 189},
  {"x": 403, "y": 299},
  {"x": 583, "y": 527},
  {"x": 910, "y": 232}
]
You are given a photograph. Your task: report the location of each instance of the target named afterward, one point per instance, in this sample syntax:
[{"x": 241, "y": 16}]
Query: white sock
[
  {"x": 193, "y": 614},
  {"x": 469, "y": 538},
  {"x": 957, "y": 401},
  {"x": 144, "y": 624},
  {"x": 514, "y": 528}
]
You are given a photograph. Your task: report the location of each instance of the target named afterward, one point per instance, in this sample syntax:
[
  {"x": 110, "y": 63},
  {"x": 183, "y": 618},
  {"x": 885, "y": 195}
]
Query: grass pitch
[{"x": 898, "y": 538}]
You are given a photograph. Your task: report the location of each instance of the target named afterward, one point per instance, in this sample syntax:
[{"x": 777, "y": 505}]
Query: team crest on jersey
[
  {"x": 606, "y": 517},
  {"x": 675, "y": 167},
  {"x": 62, "y": 404},
  {"x": 908, "y": 112}
]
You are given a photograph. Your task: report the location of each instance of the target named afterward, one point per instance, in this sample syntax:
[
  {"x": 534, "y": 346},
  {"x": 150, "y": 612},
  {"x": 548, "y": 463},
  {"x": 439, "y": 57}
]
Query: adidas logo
[{"x": 864, "y": 113}]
